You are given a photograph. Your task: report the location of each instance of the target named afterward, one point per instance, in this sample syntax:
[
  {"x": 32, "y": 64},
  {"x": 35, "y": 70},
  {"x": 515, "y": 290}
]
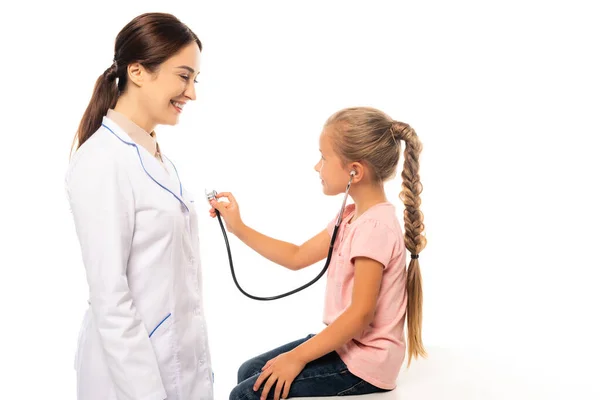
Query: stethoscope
[{"x": 212, "y": 195}]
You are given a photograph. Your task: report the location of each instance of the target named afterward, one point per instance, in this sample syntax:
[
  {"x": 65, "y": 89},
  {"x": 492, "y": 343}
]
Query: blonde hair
[{"x": 368, "y": 135}]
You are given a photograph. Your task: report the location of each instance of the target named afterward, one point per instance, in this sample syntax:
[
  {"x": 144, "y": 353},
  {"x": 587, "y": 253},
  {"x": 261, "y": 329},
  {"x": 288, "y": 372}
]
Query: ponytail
[
  {"x": 103, "y": 98},
  {"x": 415, "y": 241}
]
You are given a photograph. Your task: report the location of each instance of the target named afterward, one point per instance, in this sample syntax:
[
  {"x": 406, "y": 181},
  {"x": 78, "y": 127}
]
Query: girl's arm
[
  {"x": 360, "y": 313},
  {"x": 283, "y": 253}
]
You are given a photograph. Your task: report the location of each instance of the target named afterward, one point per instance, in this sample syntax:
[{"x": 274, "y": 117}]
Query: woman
[{"x": 144, "y": 336}]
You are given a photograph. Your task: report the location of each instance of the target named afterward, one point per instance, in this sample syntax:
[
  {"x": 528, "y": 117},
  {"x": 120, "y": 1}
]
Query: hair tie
[
  {"x": 414, "y": 256},
  {"x": 111, "y": 72}
]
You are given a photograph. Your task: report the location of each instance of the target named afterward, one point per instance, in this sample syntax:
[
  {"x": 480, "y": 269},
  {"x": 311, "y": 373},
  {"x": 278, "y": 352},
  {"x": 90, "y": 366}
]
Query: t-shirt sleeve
[{"x": 373, "y": 239}]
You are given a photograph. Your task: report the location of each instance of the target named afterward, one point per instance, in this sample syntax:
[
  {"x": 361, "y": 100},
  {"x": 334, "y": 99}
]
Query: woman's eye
[{"x": 187, "y": 78}]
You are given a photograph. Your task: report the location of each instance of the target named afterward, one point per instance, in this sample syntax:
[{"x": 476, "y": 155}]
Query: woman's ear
[{"x": 136, "y": 74}]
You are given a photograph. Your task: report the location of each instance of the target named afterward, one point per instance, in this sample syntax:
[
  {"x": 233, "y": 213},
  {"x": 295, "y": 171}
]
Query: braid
[{"x": 414, "y": 240}]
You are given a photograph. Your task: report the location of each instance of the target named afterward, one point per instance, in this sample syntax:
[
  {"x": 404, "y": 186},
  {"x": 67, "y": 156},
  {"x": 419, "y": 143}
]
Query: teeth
[{"x": 180, "y": 105}]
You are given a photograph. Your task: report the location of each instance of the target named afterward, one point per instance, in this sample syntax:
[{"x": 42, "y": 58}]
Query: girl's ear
[{"x": 357, "y": 171}]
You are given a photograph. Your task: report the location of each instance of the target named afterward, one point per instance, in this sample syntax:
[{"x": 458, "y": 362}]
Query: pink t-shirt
[{"x": 375, "y": 354}]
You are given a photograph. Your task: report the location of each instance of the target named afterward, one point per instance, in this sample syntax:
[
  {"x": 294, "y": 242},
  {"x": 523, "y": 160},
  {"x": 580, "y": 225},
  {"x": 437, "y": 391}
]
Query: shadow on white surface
[{"x": 467, "y": 375}]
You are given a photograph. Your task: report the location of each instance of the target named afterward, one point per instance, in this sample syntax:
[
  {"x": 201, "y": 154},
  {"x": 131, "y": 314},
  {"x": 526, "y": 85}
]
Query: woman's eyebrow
[{"x": 188, "y": 68}]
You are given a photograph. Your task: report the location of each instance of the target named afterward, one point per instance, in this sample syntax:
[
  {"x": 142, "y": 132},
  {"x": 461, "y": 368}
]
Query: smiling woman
[
  {"x": 144, "y": 335},
  {"x": 156, "y": 61}
]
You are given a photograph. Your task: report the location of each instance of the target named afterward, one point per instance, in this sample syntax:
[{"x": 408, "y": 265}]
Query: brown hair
[
  {"x": 149, "y": 39},
  {"x": 369, "y": 135}
]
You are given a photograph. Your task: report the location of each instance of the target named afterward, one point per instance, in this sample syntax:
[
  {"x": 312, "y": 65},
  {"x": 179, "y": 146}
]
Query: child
[{"x": 369, "y": 292}]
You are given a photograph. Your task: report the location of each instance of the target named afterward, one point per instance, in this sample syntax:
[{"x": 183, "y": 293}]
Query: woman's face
[{"x": 165, "y": 93}]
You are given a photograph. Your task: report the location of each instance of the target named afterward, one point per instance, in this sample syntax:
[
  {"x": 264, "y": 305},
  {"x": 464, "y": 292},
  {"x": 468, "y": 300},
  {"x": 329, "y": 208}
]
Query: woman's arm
[{"x": 102, "y": 204}]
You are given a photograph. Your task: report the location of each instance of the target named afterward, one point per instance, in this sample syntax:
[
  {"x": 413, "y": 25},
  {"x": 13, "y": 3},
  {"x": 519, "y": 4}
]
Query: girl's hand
[
  {"x": 230, "y": 212},
  {"x": 281, "y": 370}
]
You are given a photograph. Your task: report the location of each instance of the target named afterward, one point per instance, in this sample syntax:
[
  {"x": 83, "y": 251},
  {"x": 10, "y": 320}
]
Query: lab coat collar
[{"x": 154, "y": 169}]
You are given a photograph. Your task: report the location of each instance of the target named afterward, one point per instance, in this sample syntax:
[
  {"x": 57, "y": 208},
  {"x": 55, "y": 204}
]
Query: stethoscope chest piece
[{"x": 210, "y": 195}]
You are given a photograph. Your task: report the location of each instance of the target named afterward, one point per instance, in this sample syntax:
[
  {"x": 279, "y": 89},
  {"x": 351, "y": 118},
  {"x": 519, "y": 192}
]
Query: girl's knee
[
  {"x": 247, "y": 369},
  {"x": 243, "y": 391},
  {"x": 235, "y": 394}
]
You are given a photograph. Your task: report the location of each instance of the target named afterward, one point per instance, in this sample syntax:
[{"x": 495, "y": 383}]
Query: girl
[
  {"x": 144, "y": 335},
  {"x": 369, "y": 293}
]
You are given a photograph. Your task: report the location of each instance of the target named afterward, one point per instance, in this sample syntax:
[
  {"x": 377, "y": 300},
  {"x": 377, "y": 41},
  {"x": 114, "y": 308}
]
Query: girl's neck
[{"x": 365, "y": 197}]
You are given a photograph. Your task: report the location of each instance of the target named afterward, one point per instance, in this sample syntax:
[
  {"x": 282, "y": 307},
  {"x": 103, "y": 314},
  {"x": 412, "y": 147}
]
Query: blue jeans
[{"x": 326, "y": 376}]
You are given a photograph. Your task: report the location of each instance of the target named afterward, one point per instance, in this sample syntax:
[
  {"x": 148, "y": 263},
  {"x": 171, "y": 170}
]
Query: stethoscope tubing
[{"x": 323, "y": 270}]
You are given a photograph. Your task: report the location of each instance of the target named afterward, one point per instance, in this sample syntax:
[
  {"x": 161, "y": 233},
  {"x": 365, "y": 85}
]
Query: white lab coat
[{"x": 144, "y": 336}]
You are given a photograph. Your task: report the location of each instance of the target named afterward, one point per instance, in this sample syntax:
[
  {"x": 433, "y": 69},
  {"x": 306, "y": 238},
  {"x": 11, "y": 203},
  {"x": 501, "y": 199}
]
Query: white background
[{"x": 504, "y": 95}]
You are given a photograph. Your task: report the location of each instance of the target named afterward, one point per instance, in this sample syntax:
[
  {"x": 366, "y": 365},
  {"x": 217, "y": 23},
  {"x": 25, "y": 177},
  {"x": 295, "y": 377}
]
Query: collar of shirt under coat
[{"x": 137, "y": 134}]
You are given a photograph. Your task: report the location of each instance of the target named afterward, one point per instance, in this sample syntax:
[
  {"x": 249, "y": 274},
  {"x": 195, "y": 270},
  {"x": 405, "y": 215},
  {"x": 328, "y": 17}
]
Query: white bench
[{"x": 465, "y": 375}]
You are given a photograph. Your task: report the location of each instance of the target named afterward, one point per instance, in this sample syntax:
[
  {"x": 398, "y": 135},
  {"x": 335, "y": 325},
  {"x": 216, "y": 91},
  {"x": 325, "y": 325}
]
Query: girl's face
[
  {"x": 165, "y": 93},
  {"x": 334, "y": 176}
]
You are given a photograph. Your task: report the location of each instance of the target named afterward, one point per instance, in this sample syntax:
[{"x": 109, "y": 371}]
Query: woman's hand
[
  {"x": 229, "y": 211},
  {"x": 281, "y": 370}
]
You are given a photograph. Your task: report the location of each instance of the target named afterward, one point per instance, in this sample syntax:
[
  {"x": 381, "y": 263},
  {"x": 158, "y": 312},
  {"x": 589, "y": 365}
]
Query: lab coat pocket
[{"x": 162, "y": 338}]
